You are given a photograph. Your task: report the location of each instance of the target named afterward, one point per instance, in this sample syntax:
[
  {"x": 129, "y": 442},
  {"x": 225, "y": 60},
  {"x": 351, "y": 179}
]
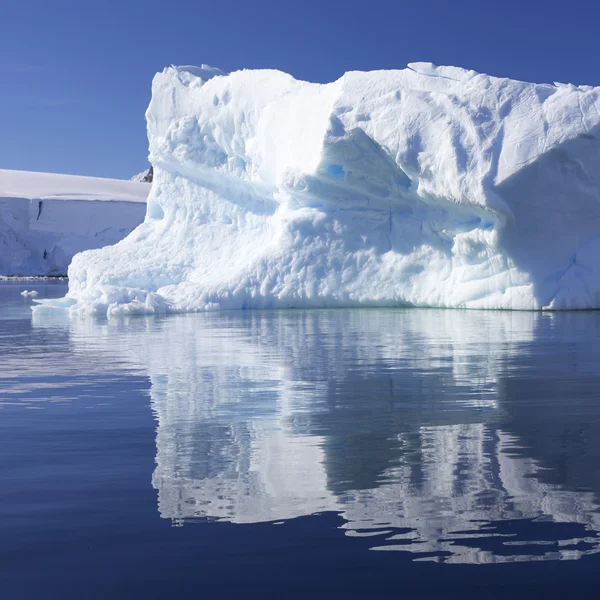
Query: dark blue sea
[{"x": 298, "y": 454}]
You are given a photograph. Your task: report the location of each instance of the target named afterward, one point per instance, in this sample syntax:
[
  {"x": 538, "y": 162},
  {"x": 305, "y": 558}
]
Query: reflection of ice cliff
[
  {"x": 399, "y": 420},
  {"x": 388, "y": 418}
]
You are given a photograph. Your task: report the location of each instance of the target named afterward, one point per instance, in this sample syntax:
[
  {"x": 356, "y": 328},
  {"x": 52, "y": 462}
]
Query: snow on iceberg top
[
  {"x": 53, "y": 186},
  {"x": 453, "y": 130}
]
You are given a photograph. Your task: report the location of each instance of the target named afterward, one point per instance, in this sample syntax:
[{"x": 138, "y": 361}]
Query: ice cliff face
[
  {"x": 46, "y": 218},
  {"x": 429, "y": 186}
]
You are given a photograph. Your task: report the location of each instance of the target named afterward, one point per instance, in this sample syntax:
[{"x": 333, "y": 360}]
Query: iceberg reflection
[{"x": 458, "y": 436}]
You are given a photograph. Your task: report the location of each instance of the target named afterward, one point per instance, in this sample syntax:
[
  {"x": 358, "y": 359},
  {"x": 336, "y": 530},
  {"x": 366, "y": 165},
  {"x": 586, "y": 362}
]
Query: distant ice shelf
[
  {"x": 45, "y": 218},
  {"x": 428, "y": 186}
]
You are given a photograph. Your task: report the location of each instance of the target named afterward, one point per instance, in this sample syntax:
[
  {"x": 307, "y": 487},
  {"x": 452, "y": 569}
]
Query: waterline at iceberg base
[{"x": 428, "y": 186}]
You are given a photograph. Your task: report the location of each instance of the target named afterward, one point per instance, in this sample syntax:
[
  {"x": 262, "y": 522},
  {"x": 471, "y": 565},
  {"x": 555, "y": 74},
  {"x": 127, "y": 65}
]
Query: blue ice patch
[{"x": 335, "y": 170}]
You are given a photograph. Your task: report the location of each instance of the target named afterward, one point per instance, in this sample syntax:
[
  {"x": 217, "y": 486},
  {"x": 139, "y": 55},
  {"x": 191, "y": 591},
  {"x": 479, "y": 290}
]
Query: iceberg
[
  {"x": 428, "y": 186},
  {"x": 47, "y": 218}
]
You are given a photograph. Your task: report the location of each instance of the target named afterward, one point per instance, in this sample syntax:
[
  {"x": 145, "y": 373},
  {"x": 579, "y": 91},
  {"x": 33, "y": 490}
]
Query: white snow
[
  {"x": 140, "y": 177},
  {"x": 29, "y": 294},
  {"x": 46, "y": 218},
  {"x": 428, "y": 186}
]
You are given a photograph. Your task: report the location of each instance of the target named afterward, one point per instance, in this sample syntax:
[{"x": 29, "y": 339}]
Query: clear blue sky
[{"x": 76, "y": 74}]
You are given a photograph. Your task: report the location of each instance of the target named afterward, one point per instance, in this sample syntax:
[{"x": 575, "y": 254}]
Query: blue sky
[{"x": 76, "y": 74}]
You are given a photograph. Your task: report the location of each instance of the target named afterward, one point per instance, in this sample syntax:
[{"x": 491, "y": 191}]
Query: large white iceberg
[
  {"x": 428, "y": 186},
  {"x": 47, "y": 218}
]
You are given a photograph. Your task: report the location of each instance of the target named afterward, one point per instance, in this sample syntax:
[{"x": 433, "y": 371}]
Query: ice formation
[
  {"x": 143, "y": 177},
  {"x": 46, "y": 218},
  {"x": 428, "y": 186}
]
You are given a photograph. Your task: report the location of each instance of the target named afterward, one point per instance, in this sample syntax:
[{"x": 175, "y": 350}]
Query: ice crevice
[{"x": 428, "y": 186}]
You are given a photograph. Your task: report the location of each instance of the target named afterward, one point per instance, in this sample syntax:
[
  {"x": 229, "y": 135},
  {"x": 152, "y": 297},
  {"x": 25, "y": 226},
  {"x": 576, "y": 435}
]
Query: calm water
[{"x": 284, "y": 454}]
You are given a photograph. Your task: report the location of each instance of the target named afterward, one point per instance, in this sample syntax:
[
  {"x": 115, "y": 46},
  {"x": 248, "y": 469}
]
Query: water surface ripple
[{"x": 450, "y": 436}]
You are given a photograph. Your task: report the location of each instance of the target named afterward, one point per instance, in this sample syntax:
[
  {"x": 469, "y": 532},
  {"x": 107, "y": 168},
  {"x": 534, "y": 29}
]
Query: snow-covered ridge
[
  {"x": 54, "y": 186},
  {"x": 428, "y": 186},
  {"x": 46, "y": 218},
  {"x": 143, "y": 177}
]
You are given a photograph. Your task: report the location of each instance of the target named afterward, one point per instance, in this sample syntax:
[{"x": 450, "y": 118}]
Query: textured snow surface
[
  {"x": 428, "y": 186},
  {"x": 46, "y": 218},
  {"x": 141, "y": 177}
]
